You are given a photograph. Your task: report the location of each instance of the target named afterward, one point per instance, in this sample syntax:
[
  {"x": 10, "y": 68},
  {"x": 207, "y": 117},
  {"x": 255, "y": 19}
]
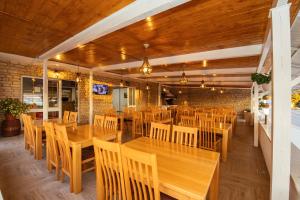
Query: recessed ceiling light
[
  {"x": 166, "y": 76},
  {"x": 80, "y": 46},
  {"x": 149, "y": 19},
  {"x": 123, "y": 68},
  {"x": 214, "y": 74},
  {"x": 58, "y": 57},
  {"x": 204, "y": 64}
]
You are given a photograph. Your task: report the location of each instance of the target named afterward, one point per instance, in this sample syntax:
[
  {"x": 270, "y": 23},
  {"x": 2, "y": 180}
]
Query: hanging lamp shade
[
  {"x": 78, "y": 77},
  {"x": 202, "y": 84},
  {"x": 183, "y": 79},
  {"x": 146, "y": 68}
]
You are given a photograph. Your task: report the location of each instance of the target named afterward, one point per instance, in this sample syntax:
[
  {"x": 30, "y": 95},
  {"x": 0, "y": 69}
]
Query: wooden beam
[
  {"x": 212, "y": 79},
  {"x": 247, "y": 70},
  {"x": 281, "y": 109},
  {"x": 134, "y": 12},
  {"x": 234, "y": 52}
]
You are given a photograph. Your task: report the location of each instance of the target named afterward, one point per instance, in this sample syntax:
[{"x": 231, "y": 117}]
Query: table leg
[
  {"x": 224, "y": 145},
  {"x": 230, "y": 138},
  {"x": 214, "y": 186},
  {"x": 38, "y": 153},
  {"x": 76, "y": 167}
]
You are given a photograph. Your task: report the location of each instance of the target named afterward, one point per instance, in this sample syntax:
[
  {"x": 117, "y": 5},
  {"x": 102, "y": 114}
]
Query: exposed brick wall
[
  {"x": 10, "y": 87},
  {"x": 238, "y": 98}
]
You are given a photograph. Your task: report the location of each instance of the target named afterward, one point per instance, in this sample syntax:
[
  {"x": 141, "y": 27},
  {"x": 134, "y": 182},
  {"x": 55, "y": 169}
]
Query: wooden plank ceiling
[{"x": 31, "y": 27}]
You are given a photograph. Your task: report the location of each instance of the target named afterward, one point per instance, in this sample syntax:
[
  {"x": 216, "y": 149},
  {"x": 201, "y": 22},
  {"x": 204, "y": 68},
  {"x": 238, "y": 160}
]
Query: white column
[
  {"x": 45, "y": 89},
  {"x": 281, "y": 122},
  {"x": 91, "y": 103},
  {"x": 252, "y": 100},
  {"x": 255, "y": 110},
  {"x": 60, "y": 99},
  {"x": 159, "y": 95}
]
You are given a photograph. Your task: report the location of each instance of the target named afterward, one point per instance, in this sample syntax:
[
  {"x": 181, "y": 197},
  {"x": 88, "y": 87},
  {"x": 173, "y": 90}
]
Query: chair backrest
[
  {"x": 99, "y": 120},
  {"x": 66, "y": 116},
  {"x": 73, "y": 117},
  {"x": 140, "y": 174},
  {"x": 160, "y": 131},
  {"x": 29, "y": 130},
  {"x": 109, "y": 170},
  {"x": 111, "y": 123},
  {"x": 188, "y": 121},
  {"x": 137, "y": 124},
  {"x": 166, "y": 115},
  {"x": 64, "y": 147},
  {"x": 185, "y": 135},
  {"x": 208, "y": 135},
  {"x": 51, "y": 142},
  {"x": 220, "y": 118},
  {"x": 199, "y": 116}
]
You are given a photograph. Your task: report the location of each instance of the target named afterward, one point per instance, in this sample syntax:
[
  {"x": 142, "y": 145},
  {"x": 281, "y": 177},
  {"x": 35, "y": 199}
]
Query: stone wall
[
  {"x": 238, "y": 98},
  {"x": 10, "y": 87}
]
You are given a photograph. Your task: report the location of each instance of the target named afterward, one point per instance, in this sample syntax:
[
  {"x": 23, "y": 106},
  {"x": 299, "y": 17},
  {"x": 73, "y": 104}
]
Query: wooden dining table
[
  {"x": 79, "y": 137},
  {"x": 39, "y": 126},
  {"x": 226, "y": 131},
  {"x": 183, "y": 172}
]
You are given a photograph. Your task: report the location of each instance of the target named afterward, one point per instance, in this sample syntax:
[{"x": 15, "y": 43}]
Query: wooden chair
[
  {"x": 220, "y": 118},
  {"x": 109, "y": 171},
  {"x": 30, "y": 133},
  {"x": 73, "y": 117},
  {"x": 23, "y": 119},
  {"x": 52, "y": 151},
  {"x": 188, "y": 121},
  {"x": 140, "y": 174},
  {"x": 137, "y": 125},
  {"x": 99, "y": 120},
  {"x": 185, "y": 135},
  {"x": 148, "y": 118},
  {"x": 208, "y": 138},
  {"x": 66, "y": 116},
  {"x": 66, "y": 156},
  {"x": 111, "y": 123},
  {"x": 160, "y": 131}
]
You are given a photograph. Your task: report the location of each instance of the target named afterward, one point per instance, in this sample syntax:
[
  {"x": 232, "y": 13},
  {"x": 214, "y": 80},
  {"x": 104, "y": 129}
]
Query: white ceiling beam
[
  {"x": 245, "y": 70},
  {"x": 234, "y": 52},
  {"x": 204, "y": 78},
  {"x": 134, "y": 12},
  {"x": 212, "y": 83}
]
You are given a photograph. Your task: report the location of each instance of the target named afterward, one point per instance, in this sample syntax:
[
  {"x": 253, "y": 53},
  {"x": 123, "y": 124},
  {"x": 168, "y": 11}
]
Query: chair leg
[
  {"x": 62, "y": 178},
  {"x": 71, "y": 183},
  {"x": 57, "y": 171}
]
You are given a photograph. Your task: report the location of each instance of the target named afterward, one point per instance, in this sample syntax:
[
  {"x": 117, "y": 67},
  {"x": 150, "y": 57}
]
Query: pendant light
[
  {"x": 202, "y": 84},
  {"x": 146, "y": 68},
  {"x": 213, "y": 89},
  {"x": 122, "y": 83},
  {"x": 183, "y": 79},
  {"x": 221, "y": 91}
]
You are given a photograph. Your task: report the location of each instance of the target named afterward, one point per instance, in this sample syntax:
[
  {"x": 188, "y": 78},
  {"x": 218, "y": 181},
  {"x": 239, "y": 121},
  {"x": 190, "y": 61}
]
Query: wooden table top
[
  {"x": 40, "y": 122},
  {"x": 84, "y": 134},
  {"x": 181, "y": 169}
]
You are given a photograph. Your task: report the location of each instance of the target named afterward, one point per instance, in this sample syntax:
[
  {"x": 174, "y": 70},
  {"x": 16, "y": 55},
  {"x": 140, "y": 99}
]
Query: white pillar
[
  {"x": 281, "y": 121},
  {"x": 91, "y": 103},
  {"x": 252, "y": 100},
  {"x": 159, "y": 95},
  {"x": 255, "y": 110},
  {"x": 60, "y": 99},
  {"x": 45, "y": 89}
]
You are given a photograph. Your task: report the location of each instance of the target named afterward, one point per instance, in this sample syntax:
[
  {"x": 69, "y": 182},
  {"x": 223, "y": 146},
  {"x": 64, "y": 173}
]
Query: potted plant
[
  {"x": 262, "y": 79},
  {"x": 12, "y": 108}
]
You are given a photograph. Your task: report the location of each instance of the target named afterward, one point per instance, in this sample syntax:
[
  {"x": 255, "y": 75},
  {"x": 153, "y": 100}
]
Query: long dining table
[
  {"x": 226, "y": 131},
  {"x": 79, "y": 137},
  {"x": 183, "y": 172}
]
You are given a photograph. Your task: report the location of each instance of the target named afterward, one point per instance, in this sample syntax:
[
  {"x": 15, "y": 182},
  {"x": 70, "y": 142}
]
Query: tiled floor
[{"x": 243, "y": 176}]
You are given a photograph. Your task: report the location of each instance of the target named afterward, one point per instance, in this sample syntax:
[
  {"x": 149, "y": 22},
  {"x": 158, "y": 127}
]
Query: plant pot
[
  {"x": 266, "y": 86},
  {"x": 10, "y": 126}
]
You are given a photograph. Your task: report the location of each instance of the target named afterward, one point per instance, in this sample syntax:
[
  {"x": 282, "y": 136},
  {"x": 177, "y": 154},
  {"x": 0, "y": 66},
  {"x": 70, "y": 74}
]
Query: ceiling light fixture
[
  {"x": 214, "y": 74},
  {"x": 202, "y": 84},
  {"x": 78, "y": 79},
  {"x": 183, "y": 79},
  {"x": 213, "y": 89},
  {"x": 122, "y": 83},
  {"x": 204, "y": 63},
  {"x": 221, "y": 91},
  {"x": 179, "y": 91},
  {"x": 147, "y": 87},
  {"x": 56, "y": 74},
  {"x": 146, "y": 68}
]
